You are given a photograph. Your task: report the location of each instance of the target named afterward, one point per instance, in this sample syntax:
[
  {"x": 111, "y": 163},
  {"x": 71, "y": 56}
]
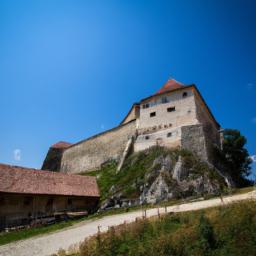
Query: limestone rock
[{"x": 170, "y": 176}]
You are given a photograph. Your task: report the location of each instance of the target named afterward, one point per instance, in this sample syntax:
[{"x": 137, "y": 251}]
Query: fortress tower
[{"x": 175, "y": 116}]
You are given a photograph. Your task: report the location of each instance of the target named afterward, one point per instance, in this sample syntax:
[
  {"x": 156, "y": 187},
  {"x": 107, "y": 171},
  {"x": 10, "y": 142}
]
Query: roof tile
[
  {"x": 61, "y": 145},
  {"x": 15, "y": 179},
  {"x": 170, "y": 85}
]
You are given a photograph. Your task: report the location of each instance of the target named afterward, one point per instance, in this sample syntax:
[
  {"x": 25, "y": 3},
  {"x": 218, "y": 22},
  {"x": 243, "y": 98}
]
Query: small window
[
  {"x": 147, "y": 137},
  {"x": 171, "y": 109},
  {"x": 145, "y": 105},
  {"x": 169, "y": 134},
  {"x": 164, "y": 100},
  {"x": 152, "y": 114},
  {"x": 185, "y": 94}
]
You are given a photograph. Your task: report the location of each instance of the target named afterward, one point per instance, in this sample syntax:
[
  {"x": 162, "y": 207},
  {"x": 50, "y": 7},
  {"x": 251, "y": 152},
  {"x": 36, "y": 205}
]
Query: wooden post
[
  {"x": 98, "y": 237},
  {"x": 165, "y": 209},
  {"x": 158, "y": 212}
]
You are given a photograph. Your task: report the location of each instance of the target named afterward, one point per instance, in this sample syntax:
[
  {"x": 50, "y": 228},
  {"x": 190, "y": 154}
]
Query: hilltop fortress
[{"x": 175, "y": 116}]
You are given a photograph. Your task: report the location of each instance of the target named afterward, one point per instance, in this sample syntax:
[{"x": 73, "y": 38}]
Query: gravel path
[{"x": 48, "y": 244}]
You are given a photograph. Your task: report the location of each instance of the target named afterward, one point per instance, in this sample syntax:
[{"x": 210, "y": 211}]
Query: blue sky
[{"x": 70, "y": 69}]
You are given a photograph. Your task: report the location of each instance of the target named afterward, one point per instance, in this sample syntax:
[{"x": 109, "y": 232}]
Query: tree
[{"x": 234, "y": 157}]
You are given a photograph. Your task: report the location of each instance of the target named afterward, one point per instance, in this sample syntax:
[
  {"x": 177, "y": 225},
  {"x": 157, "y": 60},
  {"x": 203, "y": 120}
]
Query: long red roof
[{"x": 15, "y": 179}]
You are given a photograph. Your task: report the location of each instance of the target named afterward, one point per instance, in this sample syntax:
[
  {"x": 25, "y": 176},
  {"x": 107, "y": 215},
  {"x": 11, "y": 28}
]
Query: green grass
[
  {"x": 243, "y": 190},
  {"x": 226, "y": 231}
]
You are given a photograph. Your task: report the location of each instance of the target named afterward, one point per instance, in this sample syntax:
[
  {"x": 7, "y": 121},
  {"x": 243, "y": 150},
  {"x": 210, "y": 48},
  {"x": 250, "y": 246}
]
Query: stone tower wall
[
  {"x": 184, "y": 114},
  {"x": 210, "y": 128},
  {"x": 193, "y": 139}
]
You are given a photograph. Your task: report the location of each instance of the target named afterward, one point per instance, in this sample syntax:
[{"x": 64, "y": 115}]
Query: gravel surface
[{"x": 48, "y": 244}]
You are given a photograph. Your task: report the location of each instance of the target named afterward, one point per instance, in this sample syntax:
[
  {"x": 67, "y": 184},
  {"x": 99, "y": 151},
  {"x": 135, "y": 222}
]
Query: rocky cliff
[{"x": 154, "y": 175}]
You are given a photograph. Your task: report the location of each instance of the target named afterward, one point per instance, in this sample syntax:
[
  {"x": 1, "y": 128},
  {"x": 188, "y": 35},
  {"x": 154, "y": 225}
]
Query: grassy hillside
[
  {"x": 139, "y": 169},
  {"x": 133, "y": 172},
  {"x": 229, "y": 230}
]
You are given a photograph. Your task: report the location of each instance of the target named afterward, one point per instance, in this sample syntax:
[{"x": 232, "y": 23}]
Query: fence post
[
  {"x": 158, "y": 212},
  {"x": 98, "y": 237}
]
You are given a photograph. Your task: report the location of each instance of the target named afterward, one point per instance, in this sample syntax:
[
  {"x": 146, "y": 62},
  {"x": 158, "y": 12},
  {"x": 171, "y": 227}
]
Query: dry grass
[{"x": 226, "y": 230}]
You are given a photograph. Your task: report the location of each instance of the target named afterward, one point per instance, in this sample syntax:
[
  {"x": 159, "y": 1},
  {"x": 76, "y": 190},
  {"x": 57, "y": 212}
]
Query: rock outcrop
[{"x": 167, "y": 174}]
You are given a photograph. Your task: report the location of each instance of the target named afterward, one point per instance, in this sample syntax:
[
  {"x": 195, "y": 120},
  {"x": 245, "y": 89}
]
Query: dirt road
[{"x": 50, "y": 243}]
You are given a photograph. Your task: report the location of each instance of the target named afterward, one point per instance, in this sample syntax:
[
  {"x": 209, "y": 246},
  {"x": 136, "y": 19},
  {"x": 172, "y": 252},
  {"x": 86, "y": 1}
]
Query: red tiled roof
[
  {"x": 170, "y": 85},
  {"x": 61, "y": 145},
  {"x": 15, "y": 179}
]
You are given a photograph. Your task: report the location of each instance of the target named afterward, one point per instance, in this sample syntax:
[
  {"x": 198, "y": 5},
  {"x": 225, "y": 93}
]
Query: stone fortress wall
[{"x": 90, "y": 154}]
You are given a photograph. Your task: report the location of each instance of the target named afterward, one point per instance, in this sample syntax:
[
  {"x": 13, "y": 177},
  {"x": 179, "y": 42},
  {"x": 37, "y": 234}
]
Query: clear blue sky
[{"x": 71, "y": 69}]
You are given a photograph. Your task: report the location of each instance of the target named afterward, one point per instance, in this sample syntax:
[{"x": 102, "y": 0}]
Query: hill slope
[
  {"x": 226, "y": 230},
  {"x": 155, "y": 175}
]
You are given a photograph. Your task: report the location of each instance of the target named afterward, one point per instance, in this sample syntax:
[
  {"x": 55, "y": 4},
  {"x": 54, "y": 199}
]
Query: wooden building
[{"x": 27, "y": 194}]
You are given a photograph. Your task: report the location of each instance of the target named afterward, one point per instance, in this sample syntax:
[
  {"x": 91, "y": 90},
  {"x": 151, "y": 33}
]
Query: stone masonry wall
[
  {"x": 193, "y": 139},
  {"x": 211, "y": 129},
  {"x": 170, "y": 138},
  {"x": 52, "y": 161},
  {"x": 90, "y": 154}
]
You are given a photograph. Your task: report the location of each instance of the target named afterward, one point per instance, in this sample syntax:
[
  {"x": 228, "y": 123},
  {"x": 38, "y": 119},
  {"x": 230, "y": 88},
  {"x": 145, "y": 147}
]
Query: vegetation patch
[{"x": 226, "y": 230}]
